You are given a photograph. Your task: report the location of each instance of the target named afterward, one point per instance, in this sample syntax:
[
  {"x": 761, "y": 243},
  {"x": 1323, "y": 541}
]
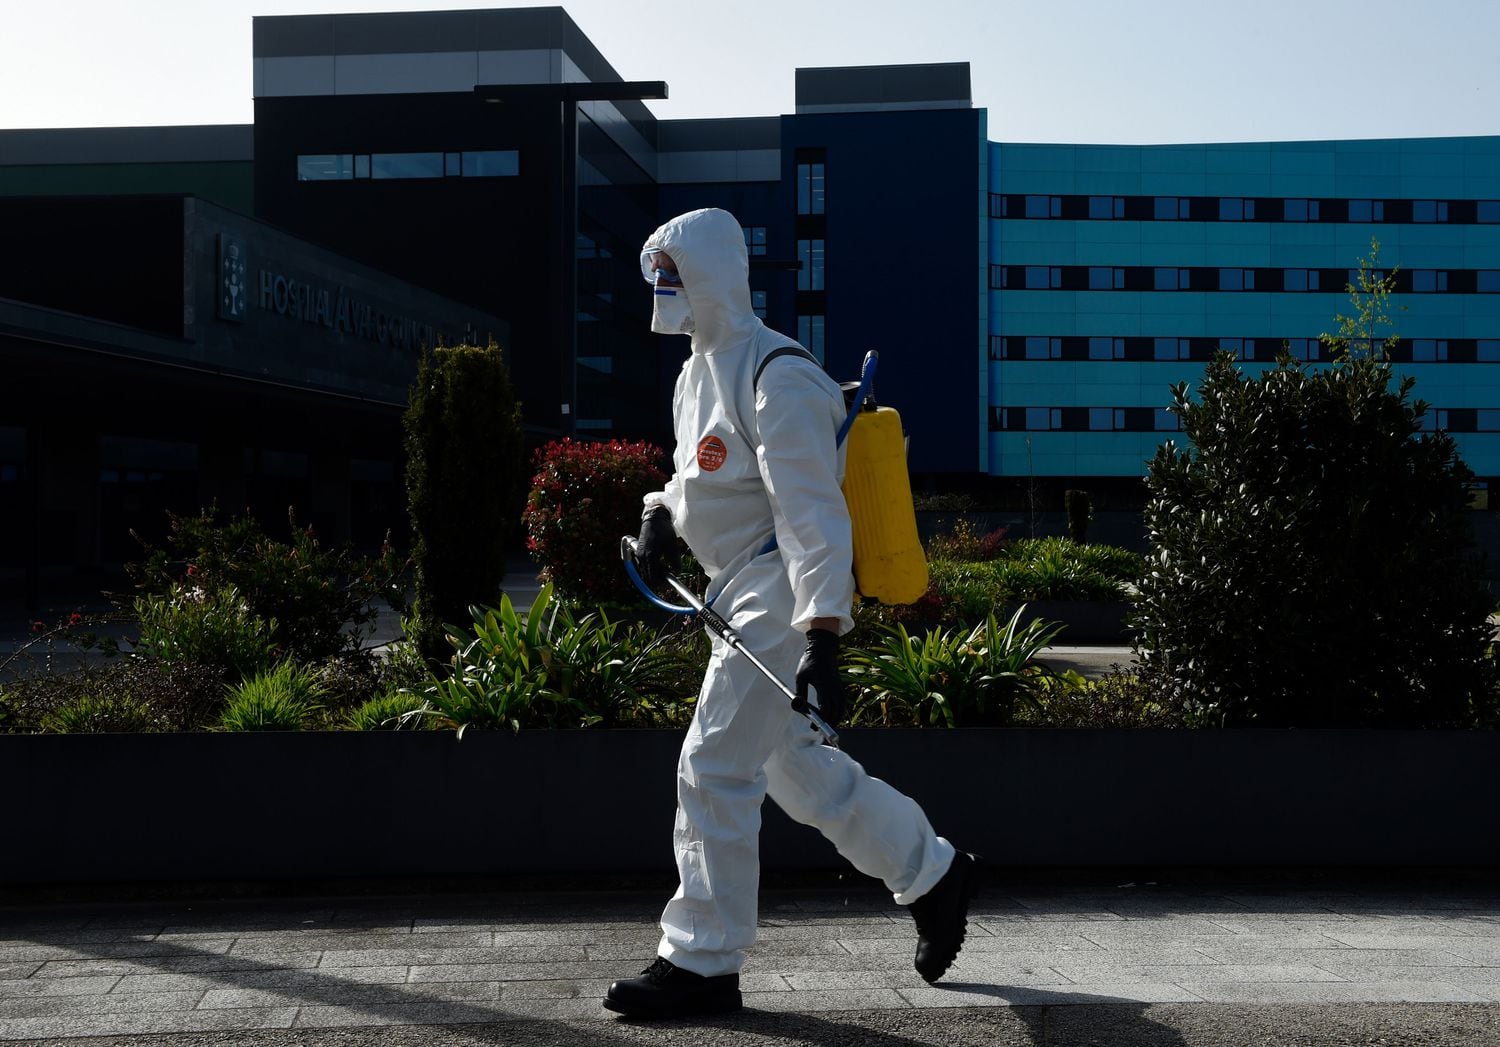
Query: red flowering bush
[{"x": 583, "y": 497}]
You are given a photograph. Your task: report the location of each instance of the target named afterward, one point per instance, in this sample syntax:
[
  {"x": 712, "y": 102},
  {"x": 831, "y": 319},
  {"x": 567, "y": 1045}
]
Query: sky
[{"x": 1140, "y": 72}]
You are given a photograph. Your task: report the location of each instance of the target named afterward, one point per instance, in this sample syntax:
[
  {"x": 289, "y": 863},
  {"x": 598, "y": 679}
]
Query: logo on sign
[
  {"x": 233, "y": 294},
  {"x": 711, "y": 453}
]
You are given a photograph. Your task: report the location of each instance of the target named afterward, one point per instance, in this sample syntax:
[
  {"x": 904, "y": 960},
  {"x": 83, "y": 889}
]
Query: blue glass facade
[{"x": 1115, "y": 271}]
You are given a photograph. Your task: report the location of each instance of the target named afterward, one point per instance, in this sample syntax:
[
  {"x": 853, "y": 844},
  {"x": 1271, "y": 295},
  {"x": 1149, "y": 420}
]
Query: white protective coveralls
[{"x": 749, "y": 464}]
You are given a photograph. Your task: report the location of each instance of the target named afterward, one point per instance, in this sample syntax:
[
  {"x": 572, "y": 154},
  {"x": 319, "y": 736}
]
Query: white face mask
[{"x": 670, "y": 312}]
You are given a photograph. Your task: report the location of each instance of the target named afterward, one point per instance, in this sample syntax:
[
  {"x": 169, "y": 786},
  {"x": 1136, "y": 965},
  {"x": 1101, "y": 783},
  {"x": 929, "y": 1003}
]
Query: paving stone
[
  {"x": 836, "y": 931},
  {"x": 1220, "y": 972},
  {"x": 907, "y": 978},
  {"x": 107, "y": 950},
  {"x": 1290, "y": 940},
  {"x": 350, "y": 995},
  {"x": 52, "y": 1006},
  {"x": 1485, "y": 951},
  {"x": 447, "y": 1013},
  {"x": 564, "y": 989},
  {"x": 829, "y": 1000},
  {"x": 582, "y": 934},
  {"x": 1040, "y": 996},
  {"x": 1332, "y": 992},
  {"x": 509, "y": 972},
  {"x": 10, "y": 971},
  {"x": 975, "y": 944},
  {"x": 145, "y": 1024},
  {"x": 1245, "y": 952},
  {"x": 57, "y": 986},
  {"x": 416, "y": 956},
  {"x": 75, "y": 937},
  {"x": 171, "y": 965},
  {"x": 332, "y": 942},
  {"x": 256, "y": 979},
  {"x": 1440, "y": 942},
  {"x": 647, "y": 950}
]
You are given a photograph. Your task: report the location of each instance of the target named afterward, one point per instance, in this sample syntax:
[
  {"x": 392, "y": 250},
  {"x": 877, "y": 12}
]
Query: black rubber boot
[
  {"x": 665, "y": 990},
  {"x": 942, "y": 917}
]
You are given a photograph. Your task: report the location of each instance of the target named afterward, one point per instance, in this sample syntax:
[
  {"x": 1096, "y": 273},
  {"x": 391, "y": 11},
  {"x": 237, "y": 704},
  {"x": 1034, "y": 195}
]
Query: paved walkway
[{"x": 1144, "y": 958}]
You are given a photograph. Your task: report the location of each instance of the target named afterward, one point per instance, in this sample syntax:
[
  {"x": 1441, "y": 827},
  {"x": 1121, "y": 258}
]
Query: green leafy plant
[
  {"x": 464, "y": 485},
  {"x": 948, "y": 678},
  {"x": 281, "y": 698},
  {"x": 100, "y": 715},
  {"x": 1312, "y": 559},
  {"x": 1116, "y": 700},
  {"x": 396, "y": 711},
  {"x": 206, "y": 627},
  {"x": 324, "y": 599},
  {"x": 1062, "y": 569},
  {"x": 545, "y": 668},
  {"x": 966, "y": 543},
  {"x": 583, "y": 497}
]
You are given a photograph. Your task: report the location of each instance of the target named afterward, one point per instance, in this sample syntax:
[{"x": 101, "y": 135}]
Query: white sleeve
[
  {"x": 671, "y": 495},
  {"x": 798, "y": 414}
]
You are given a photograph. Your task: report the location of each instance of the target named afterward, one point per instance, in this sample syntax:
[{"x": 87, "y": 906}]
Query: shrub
[
  {"x": 1080, "y": 514},
  {"x": 1312, "y": 562},
  {"x": 313, "y": 592},
  {"x": 1117, "y": 700},
  {"x": 281, "y": 698},
  {"x": 100, "y": 715},
  {"x": 949, "y": 678},
  {"x": 396, "y": 711},
  {"x": 463, "y": 483},
  {"x": 205, "y": 627},
  {"x": 1061, "y": 569},
  {"x": 583, "y": 497},
  {"x": 966, "y": 543},
  {"x": 547, "y": 669}
]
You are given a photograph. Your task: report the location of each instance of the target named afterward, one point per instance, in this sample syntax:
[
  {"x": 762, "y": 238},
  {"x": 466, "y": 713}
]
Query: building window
[
  {"x": 1102, "y": 419},
  {"x": 1043, "y": 349},
  {"x": 810, "y": 266},
  {"x": 406, "y": 165},
  {"x": 1172, "y": 208},
  {"x": 1106, "y": 348},
  {"x": 1428, "y": 281},
  {"x": 1487, "y": 351},
  {"x": 1172, "y": 279},
  {"x": 810, "y": 332},
  {"x": 1299, "y": 210},
  {"x": 810, "y": 188},
  {"x": 758, "y": 303},
  {"x": 1165, "y": 421},
  {"x": 1236, "y": 209},
  {"x": 1043, "y": 206},
  {"x": 999, "y": 205},
  {"x": 1043, "y": 418},
  {"x": 1236, "y": 279},
  {"x": 1429, "y": 210},
  {"x": 755, "y": 239},
  {"x": 1300, "y": 280},
  {"x": 1104, "y": 278},
  {"x": 1043, "y": 278},
  {"x": 453, "y": 165},
  {"x": 1106, "y": 207},
  {"x": 1366, "y": 210},
  {"x": 1429, "y": 350},
  {"x": 1488, "y": 211},
  {"x": 1487, "y": 281},
  {"x": 362, "y": 165},
  {"x": 325, "y": 167},
  {"x": 491, "y": 163},
  {"x": 1170, "y": 349}
]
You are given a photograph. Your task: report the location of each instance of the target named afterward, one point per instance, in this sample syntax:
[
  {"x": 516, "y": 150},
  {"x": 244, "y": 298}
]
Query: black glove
[
  {"x": 819, "y": 669},
  {"x": 656, "y": 549}
]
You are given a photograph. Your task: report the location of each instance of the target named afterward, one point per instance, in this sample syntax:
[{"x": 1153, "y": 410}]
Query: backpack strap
[{"x": 785, "y": 350}]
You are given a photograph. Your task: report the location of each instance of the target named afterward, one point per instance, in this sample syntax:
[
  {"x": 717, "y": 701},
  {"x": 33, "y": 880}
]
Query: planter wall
[{"x": 268, "y": 806}]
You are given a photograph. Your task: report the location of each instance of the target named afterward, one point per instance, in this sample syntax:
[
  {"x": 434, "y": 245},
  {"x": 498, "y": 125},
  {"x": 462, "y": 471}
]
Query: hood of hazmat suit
[{"x": 752, "y": 459}]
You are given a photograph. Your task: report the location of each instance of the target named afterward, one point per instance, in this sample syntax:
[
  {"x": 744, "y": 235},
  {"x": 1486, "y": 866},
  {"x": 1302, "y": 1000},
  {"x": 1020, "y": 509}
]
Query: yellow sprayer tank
[{"x": 889, "y": 564}]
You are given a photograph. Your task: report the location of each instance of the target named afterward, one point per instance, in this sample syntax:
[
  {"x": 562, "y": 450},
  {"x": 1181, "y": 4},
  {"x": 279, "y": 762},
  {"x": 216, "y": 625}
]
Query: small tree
[
  {"x": 1312, "y": 561},
  {"x": 583, "y": 498},
  {"x": 463, "y": 474}
]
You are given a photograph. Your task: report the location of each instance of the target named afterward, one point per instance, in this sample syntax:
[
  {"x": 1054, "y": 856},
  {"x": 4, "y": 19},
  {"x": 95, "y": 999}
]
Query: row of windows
[
  {"x": 1261, "y": 350},
  {"x": 1083, "y": 419},
  {"x": 481, "y": 163},
  {"x": 1210, "y": 278},
  {"x": 1240, "y": 209},
  {"x": 1161, "y": 420},
  {"x": 755, "y": 239}
]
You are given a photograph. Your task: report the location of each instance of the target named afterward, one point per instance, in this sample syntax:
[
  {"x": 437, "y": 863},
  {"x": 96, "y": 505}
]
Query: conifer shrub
[{"x": 463, "y": 479}]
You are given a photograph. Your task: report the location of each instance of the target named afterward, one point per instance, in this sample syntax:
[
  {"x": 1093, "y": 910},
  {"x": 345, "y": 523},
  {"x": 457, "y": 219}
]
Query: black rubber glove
[
  {"x": 656, "y": 549},
  {"x": 819, "y": 669}
]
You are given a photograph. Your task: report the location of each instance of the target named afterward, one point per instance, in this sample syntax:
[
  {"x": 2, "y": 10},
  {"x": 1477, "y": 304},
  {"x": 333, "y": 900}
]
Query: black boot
[
  {"x": 665, "y": 990},
  {"x": 942, "y": 917}
]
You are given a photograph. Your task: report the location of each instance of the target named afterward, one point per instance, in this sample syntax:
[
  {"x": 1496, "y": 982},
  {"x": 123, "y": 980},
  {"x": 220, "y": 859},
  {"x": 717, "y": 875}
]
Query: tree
[
  {"x": 463, "y": 485},
  {"x": 1312, "y": 560}
]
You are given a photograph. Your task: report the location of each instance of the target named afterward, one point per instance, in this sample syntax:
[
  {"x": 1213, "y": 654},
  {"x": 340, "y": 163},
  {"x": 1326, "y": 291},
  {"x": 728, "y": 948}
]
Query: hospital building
[{"x": 235, "y": 312}]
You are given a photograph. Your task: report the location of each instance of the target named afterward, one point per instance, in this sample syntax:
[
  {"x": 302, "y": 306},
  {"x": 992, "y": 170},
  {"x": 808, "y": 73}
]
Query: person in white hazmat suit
[{"x": 757, "y": 458}]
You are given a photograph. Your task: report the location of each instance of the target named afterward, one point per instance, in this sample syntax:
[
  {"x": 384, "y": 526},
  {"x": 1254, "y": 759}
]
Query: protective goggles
[{"x": 651, "y": 272}]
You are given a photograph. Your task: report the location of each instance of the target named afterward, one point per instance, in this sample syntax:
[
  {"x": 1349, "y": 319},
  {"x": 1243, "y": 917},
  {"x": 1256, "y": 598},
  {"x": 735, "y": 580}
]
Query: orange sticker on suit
[{"x": 711, "y": 453}]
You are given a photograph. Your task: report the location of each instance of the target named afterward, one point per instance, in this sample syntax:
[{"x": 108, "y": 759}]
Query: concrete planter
[{"x": 267, "y": 806}]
